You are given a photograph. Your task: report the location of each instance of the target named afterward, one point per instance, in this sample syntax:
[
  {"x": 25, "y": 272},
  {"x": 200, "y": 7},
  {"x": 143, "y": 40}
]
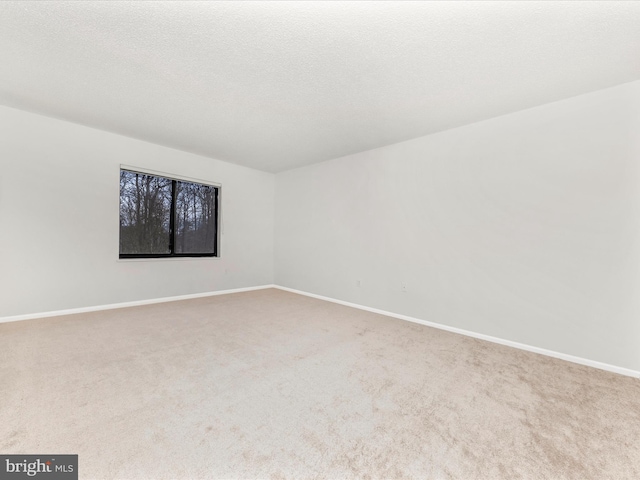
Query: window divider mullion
[{"x": 172, "y": 218}]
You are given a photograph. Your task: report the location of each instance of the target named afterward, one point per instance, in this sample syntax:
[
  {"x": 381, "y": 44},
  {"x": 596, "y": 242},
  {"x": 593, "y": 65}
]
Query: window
[{"x": 167, "y": 217}]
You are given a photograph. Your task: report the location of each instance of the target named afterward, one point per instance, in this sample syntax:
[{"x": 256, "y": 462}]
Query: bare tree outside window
[
  {"x": 195, "y": 219},
  {"x": 161, "y": 216}
]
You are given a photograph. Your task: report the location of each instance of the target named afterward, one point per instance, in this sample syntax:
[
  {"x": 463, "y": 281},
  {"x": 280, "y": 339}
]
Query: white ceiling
[{"x": 275, "y": 85}]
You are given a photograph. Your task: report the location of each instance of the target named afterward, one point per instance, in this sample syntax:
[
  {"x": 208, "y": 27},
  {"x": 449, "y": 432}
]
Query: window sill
[{"x": 165, "y": 259}]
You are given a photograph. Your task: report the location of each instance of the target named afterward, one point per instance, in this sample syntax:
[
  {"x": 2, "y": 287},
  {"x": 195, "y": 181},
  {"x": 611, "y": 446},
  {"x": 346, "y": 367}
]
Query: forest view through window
[{"x": 165, "y": 217}]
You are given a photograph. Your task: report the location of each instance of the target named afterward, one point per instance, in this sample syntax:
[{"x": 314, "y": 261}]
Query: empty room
[{"x": 320, "y": 240}]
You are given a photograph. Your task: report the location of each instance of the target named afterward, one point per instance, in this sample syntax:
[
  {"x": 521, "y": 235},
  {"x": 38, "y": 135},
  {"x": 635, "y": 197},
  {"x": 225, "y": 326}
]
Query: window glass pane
[
  {"x": 195, "y": 226},
  {"x": 145, "y": 204}
]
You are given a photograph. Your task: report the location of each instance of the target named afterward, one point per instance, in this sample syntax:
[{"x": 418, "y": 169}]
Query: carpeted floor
[{"x": 269, "y": 384}]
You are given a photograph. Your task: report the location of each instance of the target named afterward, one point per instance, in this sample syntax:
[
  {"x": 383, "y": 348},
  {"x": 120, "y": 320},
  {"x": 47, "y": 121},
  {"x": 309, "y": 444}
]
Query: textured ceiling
[{"x": 275, "y": 85}]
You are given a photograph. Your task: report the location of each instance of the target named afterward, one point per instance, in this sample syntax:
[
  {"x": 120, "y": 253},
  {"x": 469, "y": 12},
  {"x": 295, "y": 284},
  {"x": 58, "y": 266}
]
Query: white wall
[
  {"x": 59, "y": 194},
  {"x": 524, "y": 227}
]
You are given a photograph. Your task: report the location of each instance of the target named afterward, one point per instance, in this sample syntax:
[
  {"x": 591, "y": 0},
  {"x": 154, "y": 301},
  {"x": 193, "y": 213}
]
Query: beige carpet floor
[{"x": 269, "y": 384}]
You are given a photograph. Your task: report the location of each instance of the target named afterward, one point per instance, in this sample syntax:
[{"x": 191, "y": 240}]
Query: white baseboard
[
  {"x": 550, "y": 353},
  {"x": 135, "y": 303}
]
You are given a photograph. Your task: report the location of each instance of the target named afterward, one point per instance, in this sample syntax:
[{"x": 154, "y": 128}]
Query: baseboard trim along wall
[
  {"x": 135, "y": 303},
  {"x": 550, "y": 353},
  {"x": 542, "y": 351}
]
